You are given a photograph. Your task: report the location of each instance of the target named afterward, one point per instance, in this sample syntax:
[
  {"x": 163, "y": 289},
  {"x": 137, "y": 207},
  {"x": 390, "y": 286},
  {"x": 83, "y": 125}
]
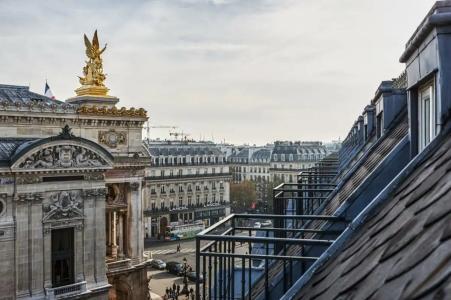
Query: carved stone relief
[
  {"x": 64, "y": 205},
  {"x": 63, "y": 156},
  {"x": 112, "y": 138},
  {"x": 116, "y": 194}
]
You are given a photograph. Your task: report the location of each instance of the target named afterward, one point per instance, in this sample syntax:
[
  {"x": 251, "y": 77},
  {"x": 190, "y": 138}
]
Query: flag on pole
[{"x": 48, "y": 91}]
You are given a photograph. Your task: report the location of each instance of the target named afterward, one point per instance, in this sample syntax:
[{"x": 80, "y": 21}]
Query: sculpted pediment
[{"x": 62, "y": 156}]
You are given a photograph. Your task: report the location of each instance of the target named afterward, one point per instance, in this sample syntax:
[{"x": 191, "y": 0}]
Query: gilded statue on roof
[{"x": 93, "y": 77}]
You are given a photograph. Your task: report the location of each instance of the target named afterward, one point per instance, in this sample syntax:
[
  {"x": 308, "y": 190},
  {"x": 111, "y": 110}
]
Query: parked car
[
  {"x": 192, "y": 276},
  {"x": 158, "y": 264},
  {"x": 175, "y": 268}
]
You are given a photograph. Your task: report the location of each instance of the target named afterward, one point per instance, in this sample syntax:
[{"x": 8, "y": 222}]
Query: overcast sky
[{"x": 245, "y": 71}]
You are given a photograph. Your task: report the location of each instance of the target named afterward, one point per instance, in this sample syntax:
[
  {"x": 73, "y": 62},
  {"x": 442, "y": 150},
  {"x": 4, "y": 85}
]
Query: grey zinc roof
[
  {"x": 262, "y": 154},
  {"x": 8, "y": 147},
  {"x": 21, "y": 95},
  {"x": 244, "y": 153},
  {"x": 157, "y": 150},
  {"x": 402, "y": 250}
]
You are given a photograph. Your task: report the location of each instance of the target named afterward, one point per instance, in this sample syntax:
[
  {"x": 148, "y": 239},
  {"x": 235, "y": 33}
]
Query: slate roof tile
[{"x": 403, "y": 251}]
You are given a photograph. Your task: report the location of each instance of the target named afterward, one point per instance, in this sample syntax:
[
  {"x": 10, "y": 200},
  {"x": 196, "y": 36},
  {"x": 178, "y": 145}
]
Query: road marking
[{"x": 169, "y": 251}]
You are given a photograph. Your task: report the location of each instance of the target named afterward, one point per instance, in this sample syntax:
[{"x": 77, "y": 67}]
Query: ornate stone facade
[
  {"x": 112, "y": 138},
  {"x": 70, "y": 199}
]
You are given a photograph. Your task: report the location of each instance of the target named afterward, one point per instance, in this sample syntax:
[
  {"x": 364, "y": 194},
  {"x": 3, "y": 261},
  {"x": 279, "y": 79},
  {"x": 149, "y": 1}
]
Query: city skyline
[{"x": 250, "y": 72}]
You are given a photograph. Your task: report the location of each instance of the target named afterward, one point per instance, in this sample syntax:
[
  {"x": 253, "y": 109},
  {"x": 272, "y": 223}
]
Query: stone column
[
  {"x": 114, "y": 237},
  {"x": 89, "y": 235},
  {"x": 78, "y": 249},
  {"x": 22, "y": 247},
  {"x": 135, "y": 224},
  {"x": 121, "y": 236},
  {"x": 36, "y": 232},
  {"x": 47, "y": 257},
  {"x": 100, "y": 243}
]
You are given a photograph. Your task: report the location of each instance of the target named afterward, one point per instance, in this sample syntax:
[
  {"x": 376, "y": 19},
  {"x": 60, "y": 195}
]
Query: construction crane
[
  {"x": 147, "y": 127},
  {"x": 182, "y": 135}
]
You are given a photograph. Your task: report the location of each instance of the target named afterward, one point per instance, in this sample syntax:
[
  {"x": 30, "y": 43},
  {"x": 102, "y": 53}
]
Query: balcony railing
[
  {"x": 65, "y": 291},
  {"x": 119, "y": 265},
  {"x": 239, "y": 253},
  {"x": 252, "y": 256}
]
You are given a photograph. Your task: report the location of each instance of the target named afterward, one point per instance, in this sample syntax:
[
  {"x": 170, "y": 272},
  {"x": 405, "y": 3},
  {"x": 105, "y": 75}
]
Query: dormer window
[
  {"x": 379, "y": 118},
  {"x": 426, "y": 115}
]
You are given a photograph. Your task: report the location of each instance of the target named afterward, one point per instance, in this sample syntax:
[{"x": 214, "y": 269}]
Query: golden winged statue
[{"x": 93, "y": 71}]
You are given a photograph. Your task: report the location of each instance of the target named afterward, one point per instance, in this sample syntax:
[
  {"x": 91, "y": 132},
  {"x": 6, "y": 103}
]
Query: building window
[
  {"x": 162, "y": 204},
  {"x": 62, "y": 257},
  {"x": 197, "y": 199},
  {"x": 189, "y": 200},
  {"x": 426, "y": 115},
  {"x": 162, "y": 190},
  {"x": 180, "y": 201},
  {"x": 153, "y": 205}
]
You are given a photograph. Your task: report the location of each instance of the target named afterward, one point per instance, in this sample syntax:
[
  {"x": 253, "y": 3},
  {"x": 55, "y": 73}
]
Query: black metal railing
[
  {"x": 239, "y": 252},
  {"x": 246, "y": 259}
]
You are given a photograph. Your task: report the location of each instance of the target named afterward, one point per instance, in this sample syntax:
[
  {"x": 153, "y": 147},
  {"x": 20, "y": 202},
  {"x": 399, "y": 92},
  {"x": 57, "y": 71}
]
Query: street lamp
[{"x": 185, "y": 290}]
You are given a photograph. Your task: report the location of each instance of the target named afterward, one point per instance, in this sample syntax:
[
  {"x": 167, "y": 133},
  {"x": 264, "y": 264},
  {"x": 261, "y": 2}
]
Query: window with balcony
[
  {"x": 162, "y": 190},
  {"x": 426, "y": 115}
]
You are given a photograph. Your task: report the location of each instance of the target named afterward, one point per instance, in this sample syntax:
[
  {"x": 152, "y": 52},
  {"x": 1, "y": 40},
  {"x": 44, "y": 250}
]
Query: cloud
[{"x": 248, "y": 71}]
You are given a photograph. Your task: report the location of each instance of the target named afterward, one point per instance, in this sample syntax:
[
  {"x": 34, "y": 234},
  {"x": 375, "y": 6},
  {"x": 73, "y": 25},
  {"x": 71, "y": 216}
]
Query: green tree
[{"x": 242, "y": 196}]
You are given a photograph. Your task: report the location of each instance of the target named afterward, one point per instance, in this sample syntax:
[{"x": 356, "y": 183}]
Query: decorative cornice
[{"x": 112, "y": 111}]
